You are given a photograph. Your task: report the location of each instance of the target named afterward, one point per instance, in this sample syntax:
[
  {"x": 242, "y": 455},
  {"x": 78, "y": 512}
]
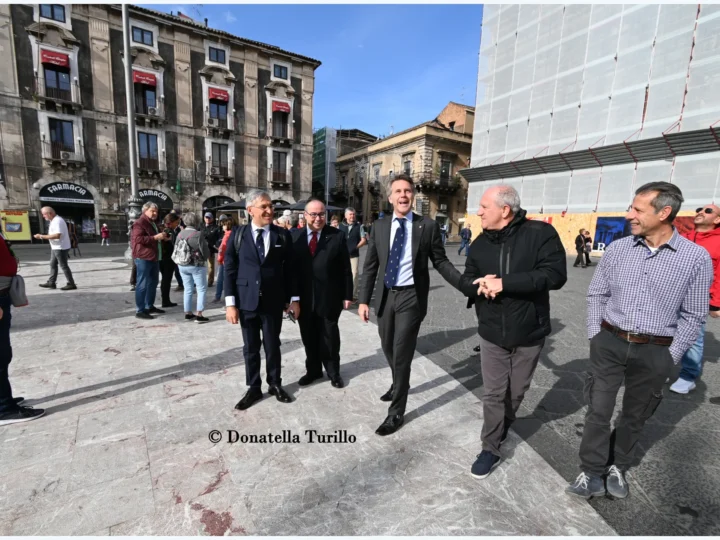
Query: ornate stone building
[{"x": 216, "y": 114}]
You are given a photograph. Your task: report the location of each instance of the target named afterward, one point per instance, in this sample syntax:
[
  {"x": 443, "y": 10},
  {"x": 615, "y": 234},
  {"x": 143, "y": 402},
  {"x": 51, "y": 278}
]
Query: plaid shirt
[{"x": 665, "y": 293}]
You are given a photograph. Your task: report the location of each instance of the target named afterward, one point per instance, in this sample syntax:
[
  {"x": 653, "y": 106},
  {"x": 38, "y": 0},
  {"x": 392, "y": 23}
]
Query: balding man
[
  {"x": 509, "y": 273},
  {"x": 59, "y": 239},
  {"x": 706, "y": 235}
]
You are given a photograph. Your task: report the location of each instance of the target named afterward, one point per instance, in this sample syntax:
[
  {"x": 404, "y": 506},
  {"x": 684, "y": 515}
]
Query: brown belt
[{"x": 631, "y": 337}]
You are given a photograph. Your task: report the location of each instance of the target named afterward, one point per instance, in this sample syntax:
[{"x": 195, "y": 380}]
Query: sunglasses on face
[{"x": 706, "y": 210}]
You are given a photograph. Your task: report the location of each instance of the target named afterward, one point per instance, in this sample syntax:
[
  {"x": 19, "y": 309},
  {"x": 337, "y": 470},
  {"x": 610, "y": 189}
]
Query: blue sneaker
[
  {"x": 586, "y": 486},
  {"x": 486, "y": 461}
]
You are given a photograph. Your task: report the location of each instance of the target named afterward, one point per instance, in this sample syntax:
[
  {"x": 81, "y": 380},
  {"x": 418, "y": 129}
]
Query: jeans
[
  {"x": 148, "y": 275},
  {"x": 197, "y": 275},
  {"x": 60, "y": 257},
  {"x": 6, "y": 398},
  {"x": 220, "y": 281},
  {"x": 692, "y": 359},
  {"x": 464, "y": 244}
]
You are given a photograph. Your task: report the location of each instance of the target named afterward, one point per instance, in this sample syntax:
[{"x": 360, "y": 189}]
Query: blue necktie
[
  {"x": 260, "y": 245},
  {"x": 396, "y": 252}
]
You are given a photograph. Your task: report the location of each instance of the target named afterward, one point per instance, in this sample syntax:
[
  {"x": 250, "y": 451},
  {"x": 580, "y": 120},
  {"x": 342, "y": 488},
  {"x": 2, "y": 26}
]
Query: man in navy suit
[{"x": 260, "y": 285}]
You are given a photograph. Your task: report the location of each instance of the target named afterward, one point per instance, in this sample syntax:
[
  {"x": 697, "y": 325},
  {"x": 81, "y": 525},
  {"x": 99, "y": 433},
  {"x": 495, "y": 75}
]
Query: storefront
[
  {"x": 162, "y": 199},
  {"x": 74, "y": 203}
]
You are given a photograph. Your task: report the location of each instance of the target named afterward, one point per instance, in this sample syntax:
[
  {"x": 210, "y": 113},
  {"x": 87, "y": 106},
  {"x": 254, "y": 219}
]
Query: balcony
[
  {"x": 149, "y": 115},
  {"x": 282, "y": 134},
  {"x": 280, "y": 180},
  {"x": 222, "y": 125},
  {"x": 357, "y": 186},
  {"x": 340, "y": 192},
  {"x": 64, "y": 96},
  {"x": 375, "y": 187},
  {"x": 149, "y": 167},
  {"x": 64, "y": 154},
  {"x": 218, "y": 171}
]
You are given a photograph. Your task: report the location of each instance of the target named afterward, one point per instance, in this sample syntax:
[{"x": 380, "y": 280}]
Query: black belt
[
  {"x": 632, "y": 337},
  {"x": 403, "y": 288}
]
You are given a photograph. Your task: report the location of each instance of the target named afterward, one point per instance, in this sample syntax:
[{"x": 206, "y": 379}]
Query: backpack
[{"x": 183, "y": 254}]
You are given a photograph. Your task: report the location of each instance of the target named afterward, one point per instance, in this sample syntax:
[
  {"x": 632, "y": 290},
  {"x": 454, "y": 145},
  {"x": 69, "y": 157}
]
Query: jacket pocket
[{"x": 653, "y": 403}]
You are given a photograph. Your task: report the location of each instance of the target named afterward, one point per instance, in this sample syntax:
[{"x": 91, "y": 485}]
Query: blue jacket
[{"x": 245, "y": 277}]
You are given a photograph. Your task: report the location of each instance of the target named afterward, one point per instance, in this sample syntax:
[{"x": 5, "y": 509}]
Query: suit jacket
[
  {"x": 325, "y": 279},
  {"x": 245, "y": 277},
  {"x": 426, "y": 245}
]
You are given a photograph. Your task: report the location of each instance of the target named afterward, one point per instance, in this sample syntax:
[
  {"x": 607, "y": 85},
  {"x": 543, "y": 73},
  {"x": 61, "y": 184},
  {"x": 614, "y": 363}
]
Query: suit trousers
[
  {"x": 507, "y": 374},
  {"x": 398, "y": 326},
  {"x": 643, "y": 369},
  {"x": 321, "y": 338},
  {"x": 268, "y": 322},
  {"x": 354, "y": 261},
  {"x": 167, "y": 269}
]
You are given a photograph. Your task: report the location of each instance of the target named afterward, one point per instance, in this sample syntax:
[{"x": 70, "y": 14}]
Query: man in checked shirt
[{"x": 646, "y": 304}]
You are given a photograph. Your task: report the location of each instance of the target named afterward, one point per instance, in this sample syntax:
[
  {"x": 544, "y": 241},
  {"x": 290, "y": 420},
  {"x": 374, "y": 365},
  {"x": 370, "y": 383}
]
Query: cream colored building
[
  {"x": 432, "y": 153},
  {"x": 216, "y": 114}
]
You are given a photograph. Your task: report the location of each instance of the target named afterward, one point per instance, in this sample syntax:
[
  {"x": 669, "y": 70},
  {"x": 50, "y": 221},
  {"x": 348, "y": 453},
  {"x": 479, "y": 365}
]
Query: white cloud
[{"x": 229, "y": 17}]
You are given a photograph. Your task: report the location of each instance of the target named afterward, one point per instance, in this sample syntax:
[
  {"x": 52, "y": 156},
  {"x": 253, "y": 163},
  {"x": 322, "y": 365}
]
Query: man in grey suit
[{"x": 400, "y": 247}]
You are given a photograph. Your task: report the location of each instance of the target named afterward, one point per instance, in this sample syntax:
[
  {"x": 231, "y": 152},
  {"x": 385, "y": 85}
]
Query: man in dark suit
[
  {"x": 322, "y": 263},
  {"x": 260, "y": 284},
  {"x": 399, "y": 248}
]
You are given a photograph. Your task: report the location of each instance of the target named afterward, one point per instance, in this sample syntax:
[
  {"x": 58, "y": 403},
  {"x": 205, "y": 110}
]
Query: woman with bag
[{"x": 191, "y": 254}]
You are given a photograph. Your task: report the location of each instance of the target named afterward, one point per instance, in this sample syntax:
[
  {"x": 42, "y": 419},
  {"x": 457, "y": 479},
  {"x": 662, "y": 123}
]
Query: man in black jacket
[
  {"x": 399, "y": 249},
  {"x": 323, "y": 267},
  {"x": 580, "y": 248},
  {"x": 355, "y": 235},
  {"x": 509, "y": 272},
  {"x": 212, "y": 235}
]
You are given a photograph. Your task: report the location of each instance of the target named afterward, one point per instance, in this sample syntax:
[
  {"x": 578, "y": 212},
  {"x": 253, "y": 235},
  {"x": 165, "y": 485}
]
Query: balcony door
[
  {"x": 219, "y": 112},
  {"x": 57, "y": 83},
  {"x": 220, "y": 158},
  {"x": 280, "y": 167},
  {"x": 145, "y": 98},
  {"x": 61, "y": 137},
  {"x": 148, "y": 151},
  {"x": 280, "y": 124}
]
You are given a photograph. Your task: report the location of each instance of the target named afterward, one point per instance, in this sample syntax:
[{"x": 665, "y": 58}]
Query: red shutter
[
  {"x": 280, "y": 106},
  {"x": 54, "y": 58},
  {"x": 144, "y": 78},
  {"x": 216, "y": 93}
]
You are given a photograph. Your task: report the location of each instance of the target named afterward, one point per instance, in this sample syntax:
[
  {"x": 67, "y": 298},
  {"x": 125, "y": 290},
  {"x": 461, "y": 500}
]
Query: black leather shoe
[
  {"x": 69, "y": 287},
  {"x": 251, "y": 397},
  {"x": 337, "y": 382},
  {"x": 48, "y": 285},
  {"x": 144, "y": 315},
  {"x": 153, "y": 309},
  {"x": 281, "y": 395},
  {"x": 169, "y": 304},
  {"x": 390, "y": 425},
  {"x": 387, "y": 396},
  {"x": 308, "y": 379},
  {"x": 476, "y": 348}
]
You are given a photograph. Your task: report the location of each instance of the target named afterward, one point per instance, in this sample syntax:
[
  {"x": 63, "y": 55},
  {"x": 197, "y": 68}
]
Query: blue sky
[{"x": 382, "y": 65}]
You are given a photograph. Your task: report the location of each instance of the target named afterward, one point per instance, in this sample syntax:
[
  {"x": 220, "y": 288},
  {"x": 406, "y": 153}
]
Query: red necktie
[{"x": 313, "y": 244}]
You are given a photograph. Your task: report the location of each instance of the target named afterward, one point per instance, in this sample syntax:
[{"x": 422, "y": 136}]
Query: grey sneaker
[
  {"x": 586, "y": 486},
  {"x": 617, "y": 486}
]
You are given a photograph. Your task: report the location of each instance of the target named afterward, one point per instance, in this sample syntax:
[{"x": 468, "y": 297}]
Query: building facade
[
  {"x": 431, "y": 153},
  {"x": 578, "y": 105},
  {"x": 216, "y": 114}
]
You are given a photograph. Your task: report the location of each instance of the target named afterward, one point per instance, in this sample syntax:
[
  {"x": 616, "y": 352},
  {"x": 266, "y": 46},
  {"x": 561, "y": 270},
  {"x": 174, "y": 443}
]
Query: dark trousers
[
  {"x": 269, "y": 322},
  {"x": 587, "y": 258},
  {"x": 6, "y": 397},
  {"x": 644, "y": 369},
  {"x": 580, "y": 259},
  {"x": 178, "y": 277},
  {"x": 147, "y": 282},
  {"x": 398, "y": 326},
  {"x": 167, "y": 269},
  {"x": 321, "y": 338},
  {"x": 507, "y": 374},
  {"x": 60, "y": 257}
]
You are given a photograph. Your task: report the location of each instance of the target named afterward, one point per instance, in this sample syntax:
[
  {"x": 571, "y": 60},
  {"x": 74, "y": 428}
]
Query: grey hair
[
  {"x": 148, "y": 205},
  {"x": 256, "y": 194},
  {"x": 667, "y": 195},
  {"x": 294, "y": 220},
  {"x": 402, "y": 176},
  {"x": 349, "y": 209},
  {"x": 190, "y": 219},
  {"x": 281, "y": 221},
  {"x": 508, "y": 196},
  {"x": 48, "y": 209}
]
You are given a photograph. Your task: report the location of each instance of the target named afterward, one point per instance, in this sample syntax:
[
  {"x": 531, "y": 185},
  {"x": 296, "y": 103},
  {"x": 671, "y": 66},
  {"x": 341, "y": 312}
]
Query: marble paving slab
[{"x": 125, "y": 447}]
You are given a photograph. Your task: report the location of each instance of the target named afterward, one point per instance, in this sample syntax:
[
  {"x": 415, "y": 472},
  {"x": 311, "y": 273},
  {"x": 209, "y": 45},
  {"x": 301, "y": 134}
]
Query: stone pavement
[
  {"x": 675, "y": 488},
  {"x": 125, "y": 449}
]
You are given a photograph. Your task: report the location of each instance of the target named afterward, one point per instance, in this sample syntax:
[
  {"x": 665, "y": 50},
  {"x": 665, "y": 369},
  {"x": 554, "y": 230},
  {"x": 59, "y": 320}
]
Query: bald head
[
  {"x": 707, "y": 218},
  {"x": 48, "y": 213},
  {"x": 498, "y": 206}
]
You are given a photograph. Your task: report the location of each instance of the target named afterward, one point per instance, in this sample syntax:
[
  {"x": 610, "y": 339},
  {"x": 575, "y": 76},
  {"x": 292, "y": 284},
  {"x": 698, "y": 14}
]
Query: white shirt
[
  {"x": 310, "y": 233},
  {"x": 265, "y": 236},
  {"x": 405, "y": 272},
  {"x": 58, "y": 225}
]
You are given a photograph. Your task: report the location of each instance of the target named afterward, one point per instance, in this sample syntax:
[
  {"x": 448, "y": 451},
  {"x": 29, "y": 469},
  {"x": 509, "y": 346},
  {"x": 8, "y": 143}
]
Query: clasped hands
[{"x": 489, "y": 286}]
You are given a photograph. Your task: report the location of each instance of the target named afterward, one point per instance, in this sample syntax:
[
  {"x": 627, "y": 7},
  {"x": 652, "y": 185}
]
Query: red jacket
[
  {"x": 144, "y": 246},
  {"x": 8, "y": 264},
  {"x": 711, "y": 242},
  {"x": 223, "y": 247},
  {"x": 104, "y": 232}
]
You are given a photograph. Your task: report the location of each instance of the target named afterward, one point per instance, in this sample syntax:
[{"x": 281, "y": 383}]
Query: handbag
[{"x": 17, "y": 292}]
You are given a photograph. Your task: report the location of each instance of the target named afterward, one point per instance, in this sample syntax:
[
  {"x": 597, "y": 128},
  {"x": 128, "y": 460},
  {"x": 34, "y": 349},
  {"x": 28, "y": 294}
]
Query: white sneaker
[{"x": 681, "y": 386}]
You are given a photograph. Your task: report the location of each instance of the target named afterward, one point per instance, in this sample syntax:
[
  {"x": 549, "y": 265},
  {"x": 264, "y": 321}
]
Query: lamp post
[{"x": 134, "y": 203}]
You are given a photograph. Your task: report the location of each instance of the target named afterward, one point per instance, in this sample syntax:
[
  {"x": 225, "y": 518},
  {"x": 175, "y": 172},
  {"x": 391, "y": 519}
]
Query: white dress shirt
[{"x": 405, "y": 272}]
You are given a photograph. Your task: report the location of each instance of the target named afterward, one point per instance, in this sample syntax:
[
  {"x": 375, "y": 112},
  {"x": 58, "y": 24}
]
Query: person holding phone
[{"x": 147, "y": 254}]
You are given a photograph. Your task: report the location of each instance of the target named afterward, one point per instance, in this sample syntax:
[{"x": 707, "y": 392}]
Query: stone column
[
  {"x": 183, "y": 86},
  {"x": 100, "y": 60}
]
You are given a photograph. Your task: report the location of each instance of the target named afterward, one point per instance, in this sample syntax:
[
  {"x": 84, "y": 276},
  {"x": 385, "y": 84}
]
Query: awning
[
  {"x": 280, "y": 106},
  {"x": 144, "y": 78},
  {"x": 217, "y": 93},
  {"x": 54, "y": 58}
]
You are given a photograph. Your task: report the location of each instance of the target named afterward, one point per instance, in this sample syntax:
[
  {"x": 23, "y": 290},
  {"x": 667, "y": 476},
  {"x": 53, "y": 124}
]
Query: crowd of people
[{"x": 646, "y": 305}]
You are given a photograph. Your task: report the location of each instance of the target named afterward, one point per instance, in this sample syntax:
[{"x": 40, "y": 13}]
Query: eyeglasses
[
  {"x": 315, "y": 215},
  {"x": 263, "y": 207},
  {"x": 706, "y": 210}
]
